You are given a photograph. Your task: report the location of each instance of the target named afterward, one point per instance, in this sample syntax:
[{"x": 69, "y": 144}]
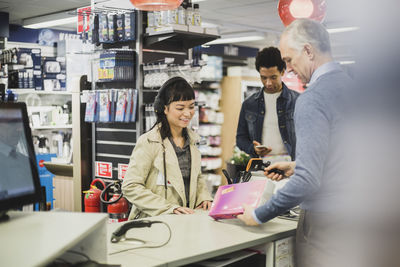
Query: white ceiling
[
  {"x": 23, "y": 9},
  {"x": 231, "y": 16}
]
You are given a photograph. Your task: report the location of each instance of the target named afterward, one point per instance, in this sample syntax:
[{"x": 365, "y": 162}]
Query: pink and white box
[{"x": 229, "y": 199}]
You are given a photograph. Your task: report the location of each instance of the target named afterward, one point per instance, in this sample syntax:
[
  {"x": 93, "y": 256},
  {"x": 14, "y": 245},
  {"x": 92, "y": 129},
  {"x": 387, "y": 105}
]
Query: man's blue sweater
[{"x": 315, "y": 184}]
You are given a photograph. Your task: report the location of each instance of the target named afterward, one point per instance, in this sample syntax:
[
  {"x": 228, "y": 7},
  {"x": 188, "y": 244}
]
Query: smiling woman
[{"x": 164, "y": 172}]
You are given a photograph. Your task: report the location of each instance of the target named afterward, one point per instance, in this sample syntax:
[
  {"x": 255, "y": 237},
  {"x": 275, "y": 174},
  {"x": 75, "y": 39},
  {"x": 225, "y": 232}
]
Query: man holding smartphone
[{"x": 266, "y": 118}]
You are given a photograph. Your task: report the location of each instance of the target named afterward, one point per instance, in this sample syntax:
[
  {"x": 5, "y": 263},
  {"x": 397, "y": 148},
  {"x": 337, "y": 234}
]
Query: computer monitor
[{"x": 19, "y": 177}]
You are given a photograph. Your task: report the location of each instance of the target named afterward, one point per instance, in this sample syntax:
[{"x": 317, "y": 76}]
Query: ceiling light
[
  {"x": 343, "y": 29},
  {"x": 51, "y": 23},
  {"x": 237, "y": 38},
  {"x": 48, "y": 21}
]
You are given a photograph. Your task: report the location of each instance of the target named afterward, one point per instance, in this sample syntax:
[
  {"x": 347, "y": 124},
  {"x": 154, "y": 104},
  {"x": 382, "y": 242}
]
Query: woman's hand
[
  {"x": 183, "y": 210},
  {"x": 205, "y": 205}
]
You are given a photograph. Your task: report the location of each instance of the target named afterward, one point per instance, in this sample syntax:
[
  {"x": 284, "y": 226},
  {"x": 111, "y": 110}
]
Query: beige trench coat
[{"x": 143, "y": 184}]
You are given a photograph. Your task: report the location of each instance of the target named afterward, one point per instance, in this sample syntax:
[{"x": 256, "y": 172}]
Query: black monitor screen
[{"x": 19, "y": 182}]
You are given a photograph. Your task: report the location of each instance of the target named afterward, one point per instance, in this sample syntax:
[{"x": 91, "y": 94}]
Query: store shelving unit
[
  {"x": 52, "y": 127},
  {"x": 114, "y": 142},
  {"x": 37, "y": 92},
  {"x": 175, "y": 40},
  {"x": 210, "y": 122},
  {"x": 37, "y": 98}
]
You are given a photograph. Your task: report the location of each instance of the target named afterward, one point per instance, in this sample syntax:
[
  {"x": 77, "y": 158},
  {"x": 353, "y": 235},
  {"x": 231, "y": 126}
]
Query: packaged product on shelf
[
  {"x": 120, "y": 25},
  {"x": 103, "y": 28},
  {"x": 51, "y": 85},
  {"x": 51, "y": 66},
  {"x": 196, "y": 15},
  {"x": 112, "y": 96},
  {"x": 189, "y": 15},
  {"x": 120, "y": 105},
  {"x": 157, "y": 19},
  {"x": 163, "y": 18},
  {"x": 91, "y": 105},
  {"x": 93, "y": 34},
  {"x": 117, "y": 66},
  {"x": 149, "y": 116},
  {"x": 150, "y": 19},
  {"x": 28, "y": 57},
  {"x": 26, "y": 79},
  {"x": 105, "y": 105},
  {"x": 54, "y": 74},
  {"x": 29, "y": 80},
  {"x": 106, "y": 67},
  {"x": 38, "y": 79},
  {"x": 181, "y": 15},
  {"x": 130, "y": 25},
  {"x": 129, "y": 106},
  {"x": 134, "y": 104},
  {"x": 16, "y": 79},
  {"x": 21, "y": 65},
  {"x": 111, "y": 23}
]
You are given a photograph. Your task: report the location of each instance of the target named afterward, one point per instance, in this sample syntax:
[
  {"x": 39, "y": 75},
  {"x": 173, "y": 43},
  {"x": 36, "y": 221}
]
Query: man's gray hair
[{"x": 306, "y": 31}]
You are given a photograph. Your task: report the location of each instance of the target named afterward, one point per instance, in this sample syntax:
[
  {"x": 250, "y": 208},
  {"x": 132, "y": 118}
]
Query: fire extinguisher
[
  {"x": 92, "y": 197},
  {"x": 117, "y": 206}
]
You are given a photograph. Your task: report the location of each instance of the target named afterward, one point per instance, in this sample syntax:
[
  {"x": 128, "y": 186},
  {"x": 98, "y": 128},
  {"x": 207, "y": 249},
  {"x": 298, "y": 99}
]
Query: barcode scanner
[
  {"x": 119, "y": 234},
  {"x": 256, "y": 164}
]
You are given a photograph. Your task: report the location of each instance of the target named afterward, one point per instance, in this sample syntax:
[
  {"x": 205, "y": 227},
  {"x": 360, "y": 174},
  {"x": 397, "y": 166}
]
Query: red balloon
[
  {"x": 290, "y": 10},
  {"x": 156, "y": 5}
]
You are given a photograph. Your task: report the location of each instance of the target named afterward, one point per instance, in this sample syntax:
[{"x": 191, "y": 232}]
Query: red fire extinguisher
[
  {"x": 117, "y": 206},
  {"x": 92, "y": 197}
]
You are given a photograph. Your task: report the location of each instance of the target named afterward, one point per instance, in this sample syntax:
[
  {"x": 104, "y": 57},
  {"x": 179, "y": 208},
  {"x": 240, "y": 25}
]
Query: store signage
[
  {"x": 103, "y": 169},
  {"x": 231, "y": 50},
  {"x": 83, "y": 19},
  {"x": 68, "y": 36},
  {"x": 122, "y": 170}
]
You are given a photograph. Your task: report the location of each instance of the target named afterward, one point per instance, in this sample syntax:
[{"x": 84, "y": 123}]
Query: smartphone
[{"x": 261, "y": 146}]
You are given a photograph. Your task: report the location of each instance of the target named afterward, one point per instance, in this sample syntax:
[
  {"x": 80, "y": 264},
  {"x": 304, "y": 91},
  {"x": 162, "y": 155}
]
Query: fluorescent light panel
[
  {"x": 50, "y": 20},
  {"x": 51, "y": 23},
  {"x": 238, "y": 38}
]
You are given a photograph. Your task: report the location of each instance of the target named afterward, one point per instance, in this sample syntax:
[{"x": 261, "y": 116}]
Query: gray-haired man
[{"x": 315, "y": 184}]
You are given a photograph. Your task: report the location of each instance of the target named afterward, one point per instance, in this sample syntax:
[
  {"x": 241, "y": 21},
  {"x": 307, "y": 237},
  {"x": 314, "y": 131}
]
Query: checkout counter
[{"x": 39, "y": 238}]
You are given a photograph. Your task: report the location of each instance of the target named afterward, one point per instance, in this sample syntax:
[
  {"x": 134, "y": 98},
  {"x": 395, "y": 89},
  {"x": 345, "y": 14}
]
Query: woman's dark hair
[
  {"x": 175, "y": 89},
  {"x": 270, "y": 57}
]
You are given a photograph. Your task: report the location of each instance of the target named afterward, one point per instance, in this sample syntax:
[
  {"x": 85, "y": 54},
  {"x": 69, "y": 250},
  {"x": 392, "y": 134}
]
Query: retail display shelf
[
  {"x": 68, "y": 126},
  {"x": 125, "y": 82},
  {"x": 38, "y": 92},
  {"x": 176, "y": 40},
  {"x": 151, "y": 90},
  {"x": 91, "y": 52}
]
